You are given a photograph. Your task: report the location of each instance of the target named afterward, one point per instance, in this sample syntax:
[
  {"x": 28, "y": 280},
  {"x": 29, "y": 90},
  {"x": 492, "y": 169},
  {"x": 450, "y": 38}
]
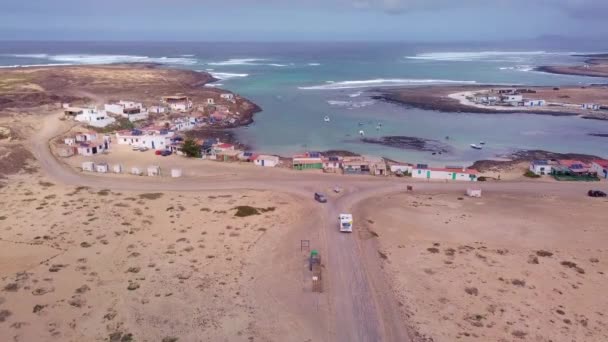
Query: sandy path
[{"x": 363, "y": 308}]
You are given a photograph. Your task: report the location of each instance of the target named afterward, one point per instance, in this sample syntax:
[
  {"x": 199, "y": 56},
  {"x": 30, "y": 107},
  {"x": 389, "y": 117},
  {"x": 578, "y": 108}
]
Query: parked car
[
  {"x": 319, "y": 197},
  {"x": 143, "y": 149},
  {"x": 135, "y": 148},
  {"x": 166, "y": 153},
  {"x": 158, "y": 152},
  {"x": 596, "y": 193}
]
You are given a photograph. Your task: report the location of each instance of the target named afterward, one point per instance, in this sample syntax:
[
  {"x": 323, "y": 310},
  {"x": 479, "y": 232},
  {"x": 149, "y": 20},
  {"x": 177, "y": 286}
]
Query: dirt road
[{"x": 363, "y": 308}]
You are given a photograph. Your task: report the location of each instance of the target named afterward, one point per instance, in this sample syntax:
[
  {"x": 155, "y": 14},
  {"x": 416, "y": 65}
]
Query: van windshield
[{"x": 346, "y": 225}]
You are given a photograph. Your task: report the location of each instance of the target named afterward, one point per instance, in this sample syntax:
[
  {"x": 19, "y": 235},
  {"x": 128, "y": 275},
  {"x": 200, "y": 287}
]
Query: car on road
[
  {"x": 319, "y": 197},
  {"x": 596, "y": 193},
  {"x": 346, "y": 223},
  {"x": 166, "y": 153},
  {"x": 143, "y": 149}
]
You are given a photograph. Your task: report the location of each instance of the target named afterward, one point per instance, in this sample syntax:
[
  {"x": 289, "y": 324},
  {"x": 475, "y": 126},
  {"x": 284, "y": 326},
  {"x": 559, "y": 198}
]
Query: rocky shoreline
[{"x": 528, "y": 156}]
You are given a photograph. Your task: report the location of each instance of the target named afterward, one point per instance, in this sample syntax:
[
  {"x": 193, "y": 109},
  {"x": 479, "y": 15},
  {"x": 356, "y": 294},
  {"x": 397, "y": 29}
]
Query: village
[
  {"x": 583, "y": 100},
  {"x": 165, "y": 137}
]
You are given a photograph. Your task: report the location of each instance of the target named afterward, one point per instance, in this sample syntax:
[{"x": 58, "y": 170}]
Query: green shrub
[{"x": 531, "y": 174}]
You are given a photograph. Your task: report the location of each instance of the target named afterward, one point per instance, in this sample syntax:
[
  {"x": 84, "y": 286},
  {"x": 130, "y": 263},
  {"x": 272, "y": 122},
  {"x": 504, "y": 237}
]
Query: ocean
[{"x": 298, "y": 84}]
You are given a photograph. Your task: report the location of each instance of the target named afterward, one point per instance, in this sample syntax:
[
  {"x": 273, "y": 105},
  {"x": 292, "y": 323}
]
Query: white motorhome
[{"x": 346, "y": 223}]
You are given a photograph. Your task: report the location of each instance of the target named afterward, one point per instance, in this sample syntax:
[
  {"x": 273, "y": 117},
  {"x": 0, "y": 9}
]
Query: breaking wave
[
  {"x": 33, "y": 65},
  {"x": 108, "y": 59},
  {"x": 246, "y": 61},
  {"x": 491, "y": 56},
  {"x": 314, "y": 64},
  {"x": 351, "y": 104},
  {"x": 226, "y": 75},
  {"x": 518, "y": 68},
  {"x": 381, "y": 83}
]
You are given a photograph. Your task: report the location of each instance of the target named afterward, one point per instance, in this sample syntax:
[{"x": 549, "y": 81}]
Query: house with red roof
[{"x": 446, "y": 173}]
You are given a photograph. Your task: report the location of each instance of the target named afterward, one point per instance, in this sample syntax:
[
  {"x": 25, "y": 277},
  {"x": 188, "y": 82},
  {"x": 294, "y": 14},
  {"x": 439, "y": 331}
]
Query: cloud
[{"x": 573, "y": 8}]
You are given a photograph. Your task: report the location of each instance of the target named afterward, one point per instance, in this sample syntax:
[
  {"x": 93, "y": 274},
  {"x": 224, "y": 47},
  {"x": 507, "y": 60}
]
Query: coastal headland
[
  {"x": 589, "y": 102},
  {"x": 97, "y": 84},
  {"x": 596, "y": 65}
]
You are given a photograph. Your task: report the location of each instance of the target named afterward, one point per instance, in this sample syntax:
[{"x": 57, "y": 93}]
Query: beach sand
[{"x": 504, "y": 267}]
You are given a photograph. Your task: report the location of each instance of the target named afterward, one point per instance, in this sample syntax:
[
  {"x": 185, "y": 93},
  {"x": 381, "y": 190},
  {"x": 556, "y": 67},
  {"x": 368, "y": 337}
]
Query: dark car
[
  {"x": 165, "y": 153},
  {"x": 319, "y": 197},
  {"x": 596, "y": 193}
]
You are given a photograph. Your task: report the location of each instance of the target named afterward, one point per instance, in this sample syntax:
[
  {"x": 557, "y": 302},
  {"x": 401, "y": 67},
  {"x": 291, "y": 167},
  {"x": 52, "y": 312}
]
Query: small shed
[
  {"x": 102, "y": 168},
  {"x": 88, "y": 166},
  {"x": 136, "y": 171},
  {"x": 176, "y": 173},
  {"x": 473, "y": 192},
  {"x": 153, "y": 171},
  {"x": 117, "y": 168},
  {"x": 266, "y": 160}
]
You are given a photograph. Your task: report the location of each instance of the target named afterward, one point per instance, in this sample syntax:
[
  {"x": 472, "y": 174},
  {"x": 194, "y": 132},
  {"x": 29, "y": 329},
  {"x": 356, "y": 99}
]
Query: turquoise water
[{"x": 298, "y": 84}]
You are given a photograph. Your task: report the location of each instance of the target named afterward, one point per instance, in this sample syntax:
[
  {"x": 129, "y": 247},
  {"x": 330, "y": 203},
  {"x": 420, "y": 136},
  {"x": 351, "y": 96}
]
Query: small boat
[
  {"x": 360, "y": 123},
  {"x": 434, "y": 153},
  {"x": 447, "y": 137},
  {"x": 361, "y": 132},
  {"x": 326, "y": 119},
  {"x": 476, "y": 147},
  {"x": 482, "y": 143},
  {"x": 378, "y": 127}
]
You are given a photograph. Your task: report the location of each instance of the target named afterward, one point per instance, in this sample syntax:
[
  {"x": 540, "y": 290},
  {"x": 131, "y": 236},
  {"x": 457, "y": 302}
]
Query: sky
[{"x": 294, "y": 20}]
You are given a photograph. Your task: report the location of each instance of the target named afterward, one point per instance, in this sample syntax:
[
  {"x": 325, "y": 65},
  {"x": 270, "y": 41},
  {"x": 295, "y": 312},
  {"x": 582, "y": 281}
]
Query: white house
[
  {"x": 266, "y": 160},
  {"x": 69, "y": 141},
  {"x": 176, "y": 173},
  {"x": 540, "y": 167},
  {"x": 134, "y": 111},
  {"x": 136, "y": 171},
  {"x": 178, "y": 103},
  {"x": 447, "y": 173},
  {"x": 94, "y": 117},
  {"x": 534, "y": 103},
  {"x": 591, "y": 106},
  {"x": 512, "y": 99},
  {"x": 227, "y": 96},
  {"x": 85, "y": 136},
  {"x": 157, "y": 109},
  {"x": 332, "y": 164},
  {"x": 401, "y": 168},
  {"x": 185, "y": 124},
  {"x": 210, "y": 101},
  {"x": 88, "y": 166},
  {"x": 600, "y": 167},
  {"x": 150, "y": 139},
  {"x": 117, "y": 168},
  {"x": 90, "y": 148}
]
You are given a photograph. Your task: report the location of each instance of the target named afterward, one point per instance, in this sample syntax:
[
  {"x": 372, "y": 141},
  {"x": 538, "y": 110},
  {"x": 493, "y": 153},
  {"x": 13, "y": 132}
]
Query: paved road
[{"x": 363, "y": 307}]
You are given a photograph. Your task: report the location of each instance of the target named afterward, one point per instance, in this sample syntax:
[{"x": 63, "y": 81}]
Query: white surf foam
[
  {"x": 480, "y": 56},
  {"x": 351, "y": 104},
  {"x": 382, "y": 83},
  {"x": 33, "y": 65},
  {"x": 108, "y": 59},
  {"x": 314, "y": 64},
  {"x": 246, "y": 61},
  {"x": 227, "y": 75},
  {"x": 525, "y": 68},
  {"x": 357, "y": 94}
]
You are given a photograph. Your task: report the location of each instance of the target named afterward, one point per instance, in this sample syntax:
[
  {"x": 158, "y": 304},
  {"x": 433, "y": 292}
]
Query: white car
[{"x": 346, "y": 223}]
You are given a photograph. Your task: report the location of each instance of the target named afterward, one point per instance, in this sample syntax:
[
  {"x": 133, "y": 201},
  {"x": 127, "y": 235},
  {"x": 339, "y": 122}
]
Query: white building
[
  {"x": 150, "y": 139},
  {"x": 69, "y": 141},
  {"x": 178, "y": 103},
  {"x": 134, "y": 111},
  {"x": 94, "y": 117},
  {"x": 591, "y": 106},
  {"x": 471, "y": 192},
  {"x": 534, "y": 103},
  {"x": 266, "y": 160},
  {"x": 401, "y": 168},
  {"x": 448, "y": 173},
  {"x": 540, "y": 167},
  {"x": 600, "y": 167},
  {"x": 157, "y": 110},
  {"x": 91, "y": 148},
  {"x": 512, "y": 99},
  {"x": 85, "y": 136},
  {"x": 117, "y": 168},
  {"x": 227, "y": 96},
  {"x": 185, "y": 124},
  {"x": 136, "y": 171},
  {"x": 210, "y": 101}
]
